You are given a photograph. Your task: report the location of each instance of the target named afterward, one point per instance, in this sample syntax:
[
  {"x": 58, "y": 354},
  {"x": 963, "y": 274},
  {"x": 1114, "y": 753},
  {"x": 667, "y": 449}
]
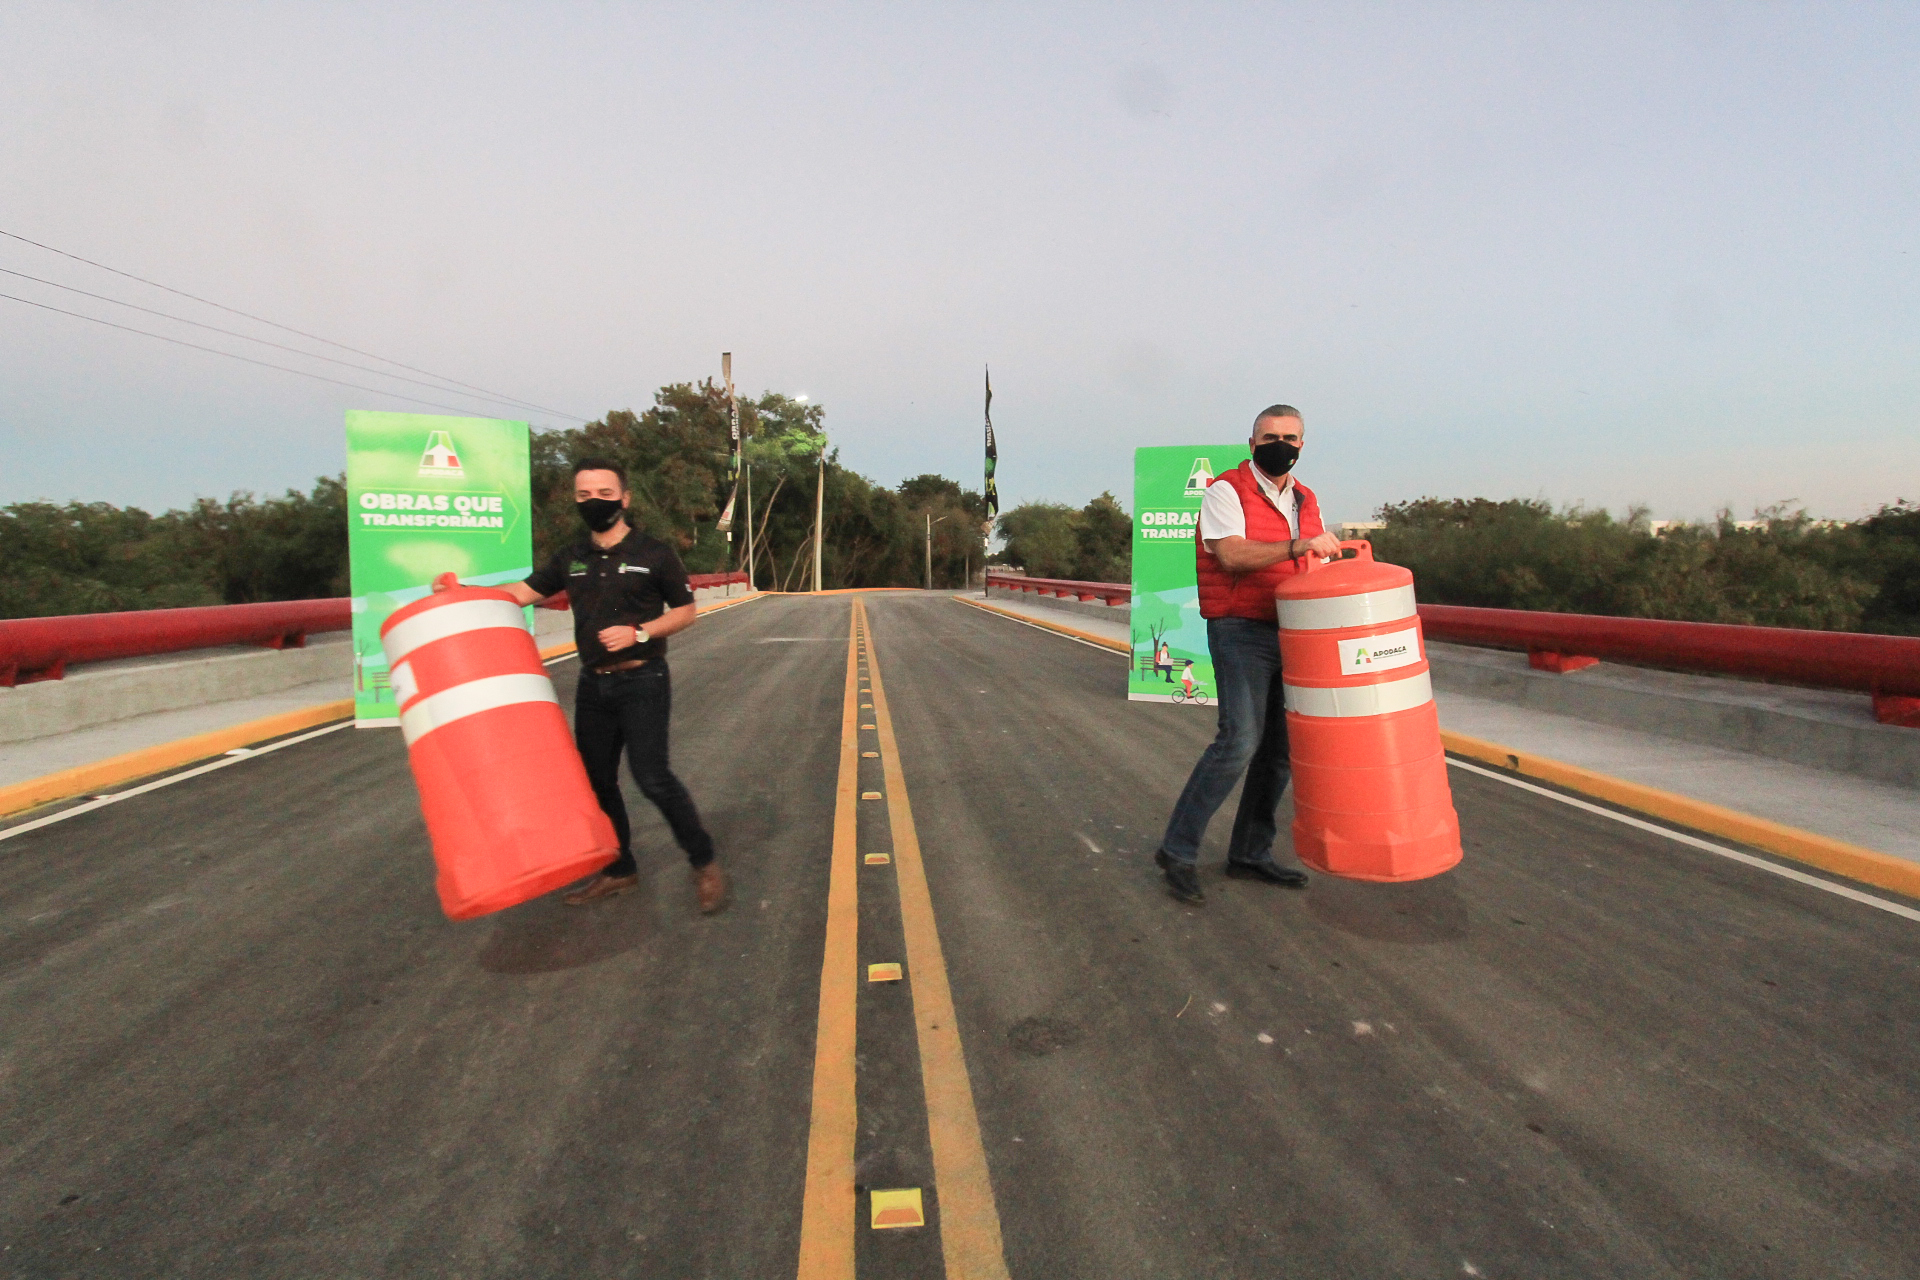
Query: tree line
[
  {"x": 92, "y": 557},
  {"x": 1786, "y": 570}
]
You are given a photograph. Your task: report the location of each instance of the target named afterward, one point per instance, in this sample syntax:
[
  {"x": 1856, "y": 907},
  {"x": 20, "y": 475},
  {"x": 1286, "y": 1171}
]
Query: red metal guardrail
[
  {"x": 1064, "y": 588},
  {"x": 43, "y": 648},
  {"x": 1887, "y": 667}
]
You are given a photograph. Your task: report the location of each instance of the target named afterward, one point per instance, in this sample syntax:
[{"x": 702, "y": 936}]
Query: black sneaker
[
  {"x": 1270, "y": 872},
  {"x": 1182, "y": 880}
]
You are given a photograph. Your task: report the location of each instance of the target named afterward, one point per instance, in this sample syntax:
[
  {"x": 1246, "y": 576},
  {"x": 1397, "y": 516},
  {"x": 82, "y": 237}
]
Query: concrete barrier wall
[
  {"x": 102, "y": 693},
  {"x": 1092, "y": 608},
  {"x": 1826, "y": 729},
  {"x": 109, "y": 691},
  {"x": 105, "y": 692}
]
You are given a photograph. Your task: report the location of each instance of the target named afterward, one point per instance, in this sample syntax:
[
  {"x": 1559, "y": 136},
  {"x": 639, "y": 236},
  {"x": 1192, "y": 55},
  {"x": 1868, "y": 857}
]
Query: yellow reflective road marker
[
  {"x": 969, "y": 1219},
  {"x": 866, "y": 726},
  {"x": 870, "y": 755},
  {"x": 897, "y": 1209},
  {"x": 879, "y": 859},
  {"x": 870, "y": 795},
  {"x": 889, "y": 972},
  {"x": 828, "y": 1210}
]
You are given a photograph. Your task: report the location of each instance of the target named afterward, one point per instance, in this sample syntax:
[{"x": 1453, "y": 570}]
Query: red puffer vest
[{"x": 1250, "y": 595}]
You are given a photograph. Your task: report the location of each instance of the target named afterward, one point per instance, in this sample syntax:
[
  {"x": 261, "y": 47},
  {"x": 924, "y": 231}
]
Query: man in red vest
[{"x": 1258, "y": 525}]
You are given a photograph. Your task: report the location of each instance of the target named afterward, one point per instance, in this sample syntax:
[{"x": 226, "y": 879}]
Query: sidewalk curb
[
  {"x": 90, "y": 778},
  {"x": 1853, "y": 861},
  {"x": 1088, "y": 636},
  {"x": 1868, "y": 866}
]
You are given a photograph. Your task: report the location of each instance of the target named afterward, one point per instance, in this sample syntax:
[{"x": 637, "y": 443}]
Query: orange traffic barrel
[
  {"x": 1371, "y": 799},
  {"x": 504, "y": 793}
]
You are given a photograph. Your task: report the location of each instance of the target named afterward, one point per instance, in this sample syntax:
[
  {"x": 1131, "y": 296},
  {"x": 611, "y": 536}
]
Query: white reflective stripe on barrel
[
  {"x": 1363, "y": 610},
  {"x": 404, "y": 689},
  {"x": 449, "y": 620},
  {"x": 1361, "y": 699},
  {"x": 471, "y": 698}
]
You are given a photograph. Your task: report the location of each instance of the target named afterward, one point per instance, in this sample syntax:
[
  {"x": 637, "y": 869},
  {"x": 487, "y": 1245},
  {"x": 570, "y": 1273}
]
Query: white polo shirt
[{"x": 1221, "y": 515}]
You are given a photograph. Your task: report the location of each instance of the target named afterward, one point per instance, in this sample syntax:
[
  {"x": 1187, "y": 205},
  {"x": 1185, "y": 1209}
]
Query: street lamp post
[
  {"x": 930, "y": 523},
  {"x": 819, "y": 511},
  {"x": 748, "y": 468}
]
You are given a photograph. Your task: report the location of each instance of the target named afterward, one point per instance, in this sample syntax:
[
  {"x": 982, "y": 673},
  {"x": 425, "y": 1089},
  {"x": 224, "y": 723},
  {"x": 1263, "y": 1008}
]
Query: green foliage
[
  {"x": 1052, "y": 540},
  {"x": 1788, "y": 571},
  {"x": 677, "y": 459},
  {"x": 94, "y": 557}
]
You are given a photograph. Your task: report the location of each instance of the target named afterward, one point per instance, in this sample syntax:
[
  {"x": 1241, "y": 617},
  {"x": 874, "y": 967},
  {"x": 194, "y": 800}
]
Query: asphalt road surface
[{"x": 238, "y": 1039}]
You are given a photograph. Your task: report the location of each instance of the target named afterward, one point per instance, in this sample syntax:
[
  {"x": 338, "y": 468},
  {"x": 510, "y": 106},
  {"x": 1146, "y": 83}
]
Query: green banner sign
[
  {"x": 1170, "y": 658},
  {"x": 427, "y": 494}
]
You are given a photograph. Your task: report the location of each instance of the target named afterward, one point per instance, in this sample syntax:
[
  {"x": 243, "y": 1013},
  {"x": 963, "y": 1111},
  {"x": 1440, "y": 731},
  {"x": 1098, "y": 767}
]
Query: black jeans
[{"x": 631, "y": 709}]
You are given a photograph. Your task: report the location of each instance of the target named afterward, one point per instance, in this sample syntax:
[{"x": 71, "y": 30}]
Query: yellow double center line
[{"x": 969, "y": 1221}]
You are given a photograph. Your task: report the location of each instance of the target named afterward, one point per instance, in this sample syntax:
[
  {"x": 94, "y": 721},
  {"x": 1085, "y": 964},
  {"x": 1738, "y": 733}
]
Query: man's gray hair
[{"x": 1278, "y": 411}]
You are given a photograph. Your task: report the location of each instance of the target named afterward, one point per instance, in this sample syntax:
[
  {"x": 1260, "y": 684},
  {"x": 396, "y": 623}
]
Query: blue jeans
[{"x": 1252, "y": 740}]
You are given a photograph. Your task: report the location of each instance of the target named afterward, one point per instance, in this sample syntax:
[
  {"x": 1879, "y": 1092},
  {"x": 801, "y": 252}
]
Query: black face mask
[
  {"x": 1276, "y": 457},
  {"x": 600, "y": 514}
]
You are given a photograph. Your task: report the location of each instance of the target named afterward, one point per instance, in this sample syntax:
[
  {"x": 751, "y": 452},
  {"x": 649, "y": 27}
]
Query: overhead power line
[
  {"x": 277, "y": 346},
  {"x": 265, "y": 364},
  {"x": 311, "y": 337}
]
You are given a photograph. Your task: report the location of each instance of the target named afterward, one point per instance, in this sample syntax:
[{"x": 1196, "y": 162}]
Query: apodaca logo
[
  {"x": 1200, "y": 477},
  {"x": 440, "y": 458}
]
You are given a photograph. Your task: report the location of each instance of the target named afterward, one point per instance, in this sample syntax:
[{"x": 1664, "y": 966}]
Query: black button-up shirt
[{"x": 628, "y": 584}]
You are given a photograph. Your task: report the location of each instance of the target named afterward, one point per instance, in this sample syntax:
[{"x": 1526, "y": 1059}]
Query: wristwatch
[{"x": 640, "y": 635}]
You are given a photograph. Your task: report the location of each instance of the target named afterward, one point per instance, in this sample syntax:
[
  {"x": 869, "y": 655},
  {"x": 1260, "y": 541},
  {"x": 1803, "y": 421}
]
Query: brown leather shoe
[
  {"x": 710, "y": 882},
  {"x": 601, "y": 886}
]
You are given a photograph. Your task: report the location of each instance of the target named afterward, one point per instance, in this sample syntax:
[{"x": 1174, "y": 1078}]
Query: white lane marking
[
  {"x": 221, "y": 763},
  {"x": 1682, "y": 837},
  {"x": 562, "y": 658}
]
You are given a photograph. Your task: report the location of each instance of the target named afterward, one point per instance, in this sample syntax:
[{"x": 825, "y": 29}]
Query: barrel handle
[{"x": 1362, "y": 549}]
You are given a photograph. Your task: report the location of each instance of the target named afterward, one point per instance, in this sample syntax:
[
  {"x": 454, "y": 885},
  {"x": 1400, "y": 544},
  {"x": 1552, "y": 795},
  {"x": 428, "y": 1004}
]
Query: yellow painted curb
[
  {"x": 87, "y": 779},
  {"x": 1075, "y": 632},
  {"x": 714, "y": 606},
  {"x": 1850, "y": 860}
]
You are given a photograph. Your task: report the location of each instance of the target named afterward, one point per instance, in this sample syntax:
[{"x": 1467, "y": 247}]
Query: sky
[{"x": 1659, "y": 254}]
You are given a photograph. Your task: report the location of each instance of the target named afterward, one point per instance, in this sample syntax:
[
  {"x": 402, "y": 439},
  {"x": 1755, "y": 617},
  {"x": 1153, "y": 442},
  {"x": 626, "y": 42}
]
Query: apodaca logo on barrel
[{"x": 1381, "y": 653}]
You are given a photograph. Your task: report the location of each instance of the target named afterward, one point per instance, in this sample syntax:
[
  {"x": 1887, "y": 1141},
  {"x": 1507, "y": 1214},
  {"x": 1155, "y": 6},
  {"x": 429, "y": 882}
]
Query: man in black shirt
[{"x": 629, "y": 592}]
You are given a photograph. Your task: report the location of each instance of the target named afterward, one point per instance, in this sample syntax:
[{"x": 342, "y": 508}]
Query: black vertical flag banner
[
  {"x": 725, "y": 523},
  {"x": 993, "y": 457}
]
